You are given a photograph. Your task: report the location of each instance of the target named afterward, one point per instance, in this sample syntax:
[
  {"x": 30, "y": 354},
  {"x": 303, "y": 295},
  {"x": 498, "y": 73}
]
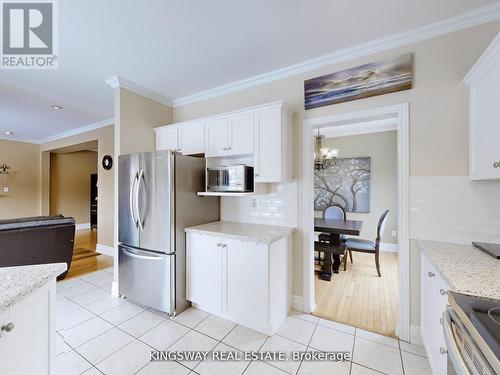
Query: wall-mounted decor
[
  {"x": 107, "y": 162},
  {"x": 347, "y": 183},
  {"x": 360, "y": 82}
]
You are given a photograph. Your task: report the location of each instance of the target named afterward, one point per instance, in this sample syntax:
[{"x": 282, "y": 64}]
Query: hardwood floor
[
  {"x": 359, "y": 298},
  {"x": 84, "y": 260}
]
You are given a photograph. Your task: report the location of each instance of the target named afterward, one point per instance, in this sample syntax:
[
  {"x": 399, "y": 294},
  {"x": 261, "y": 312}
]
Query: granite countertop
[
  {"x": 243, "y": 231},
  {"x": 467, "y": 269},
  {"x": 17, "y": 282}
]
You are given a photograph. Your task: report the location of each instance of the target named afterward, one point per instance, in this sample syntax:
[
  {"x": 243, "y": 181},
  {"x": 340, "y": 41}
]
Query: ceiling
[{"x": 181, "y": 47}]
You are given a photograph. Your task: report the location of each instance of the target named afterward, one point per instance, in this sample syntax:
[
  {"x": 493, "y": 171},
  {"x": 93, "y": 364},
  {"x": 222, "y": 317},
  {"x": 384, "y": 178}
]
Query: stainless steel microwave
[{"x": 231, "y": 178}]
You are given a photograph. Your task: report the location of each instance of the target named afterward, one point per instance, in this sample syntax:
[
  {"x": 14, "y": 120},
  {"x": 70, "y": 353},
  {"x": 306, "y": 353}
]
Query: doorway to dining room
[{"x": 357, "y": 242}]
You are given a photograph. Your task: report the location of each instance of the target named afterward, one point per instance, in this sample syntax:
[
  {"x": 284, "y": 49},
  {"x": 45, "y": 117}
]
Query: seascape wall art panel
[{"x": 360, "y": 82}]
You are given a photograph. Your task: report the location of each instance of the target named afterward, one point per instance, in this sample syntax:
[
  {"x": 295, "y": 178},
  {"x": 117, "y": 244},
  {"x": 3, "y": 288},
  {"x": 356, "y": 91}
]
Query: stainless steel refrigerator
[{"x": 157, "y": 200}]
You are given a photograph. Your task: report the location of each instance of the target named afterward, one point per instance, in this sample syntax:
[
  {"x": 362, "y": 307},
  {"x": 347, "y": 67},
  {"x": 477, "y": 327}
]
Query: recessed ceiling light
[
  {"x": 57, "y": 107},
  {"x": 9, "y": 133}
]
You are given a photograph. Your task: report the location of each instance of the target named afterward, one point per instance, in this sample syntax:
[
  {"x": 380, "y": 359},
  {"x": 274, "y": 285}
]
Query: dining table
[{"x": 335, "y": 246}]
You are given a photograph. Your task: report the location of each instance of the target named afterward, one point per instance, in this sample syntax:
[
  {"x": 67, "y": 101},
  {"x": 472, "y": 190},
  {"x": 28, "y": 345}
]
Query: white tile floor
[{"x": 101, "y": 334}]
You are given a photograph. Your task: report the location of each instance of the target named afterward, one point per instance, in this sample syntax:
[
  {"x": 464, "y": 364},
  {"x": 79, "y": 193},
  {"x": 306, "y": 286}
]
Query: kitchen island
[
  {"x": 27, "y": 330},
  {"x": 240, "y": 272}
]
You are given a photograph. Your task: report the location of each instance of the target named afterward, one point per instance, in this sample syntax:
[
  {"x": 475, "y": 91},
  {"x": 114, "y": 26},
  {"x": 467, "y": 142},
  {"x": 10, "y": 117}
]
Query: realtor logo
[{"x": 28, "y": 35}]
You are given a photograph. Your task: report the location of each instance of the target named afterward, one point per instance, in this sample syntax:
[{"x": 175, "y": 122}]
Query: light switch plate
[{"x": 5, "y": 189}]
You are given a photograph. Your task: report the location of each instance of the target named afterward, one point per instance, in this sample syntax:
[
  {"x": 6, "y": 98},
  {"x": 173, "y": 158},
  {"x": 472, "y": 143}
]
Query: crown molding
[
  {"x": 83, "y": 129},
  {"x": 484, "y": 62},
  {"x": 469, "y": 19},
  {"x": 117, "y": 81}
]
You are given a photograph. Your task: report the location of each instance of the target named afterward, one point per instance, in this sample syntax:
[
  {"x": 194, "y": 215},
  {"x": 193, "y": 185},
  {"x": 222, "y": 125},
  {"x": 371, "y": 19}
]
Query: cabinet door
[
  {"x": 426, "y": 299},
  {"x": 268, "y": 147},
  {"x": 29, "y": 347},
  {"x": 247, "y": 281},
  {"x": 241, "y": 134},
  {"x": 167, "y": 138},
  {"x": 204, "y": 270},
  {"x": 216, "y": 137},
  {"x": 192, "y": 138},
  {"x": 485, "y": 130}
]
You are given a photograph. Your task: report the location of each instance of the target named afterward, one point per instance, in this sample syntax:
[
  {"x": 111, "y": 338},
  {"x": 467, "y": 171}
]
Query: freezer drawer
[{"x": 147, "y": 278}]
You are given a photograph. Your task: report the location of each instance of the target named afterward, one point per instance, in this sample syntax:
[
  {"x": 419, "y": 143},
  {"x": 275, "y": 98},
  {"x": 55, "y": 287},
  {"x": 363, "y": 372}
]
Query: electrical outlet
[
  {"x": 5, "y": 189},
  {"x": 394, "y": 233}
]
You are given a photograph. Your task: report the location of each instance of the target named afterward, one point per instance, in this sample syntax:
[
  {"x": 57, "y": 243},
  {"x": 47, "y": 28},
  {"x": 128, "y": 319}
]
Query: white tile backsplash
[
  {"x": 454, "y": 209},
  {"x": 277, "y": 207}
]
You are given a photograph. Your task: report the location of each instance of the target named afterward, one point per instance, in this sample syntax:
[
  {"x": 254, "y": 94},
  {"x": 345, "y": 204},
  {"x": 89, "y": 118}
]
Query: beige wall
[
  {"x": 136, "y": 116},
  {"x": 23, "y": 180},
  {"x": 70, "y": 184},
  {"x": 382, "y": 149},
  {"x": 438, "y": 113},
  {"x": 105, "y": 204}
]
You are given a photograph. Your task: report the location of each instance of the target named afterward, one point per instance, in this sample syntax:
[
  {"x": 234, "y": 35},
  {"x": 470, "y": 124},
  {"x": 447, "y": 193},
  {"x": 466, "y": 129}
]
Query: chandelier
[{"x": 324, "y": 157}]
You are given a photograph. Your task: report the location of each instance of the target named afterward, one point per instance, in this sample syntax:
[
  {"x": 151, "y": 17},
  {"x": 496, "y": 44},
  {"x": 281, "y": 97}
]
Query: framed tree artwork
[{"x": 346, "y": 183}]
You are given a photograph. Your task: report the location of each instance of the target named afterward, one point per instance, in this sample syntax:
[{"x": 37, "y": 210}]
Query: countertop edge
[{"x": 28, "y": 287}]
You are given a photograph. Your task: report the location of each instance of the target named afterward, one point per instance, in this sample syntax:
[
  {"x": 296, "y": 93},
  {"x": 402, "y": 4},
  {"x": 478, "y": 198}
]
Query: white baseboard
[
  {"x": 297, "y": 302},
  {"x": 106, "y": 250},
  {"x": 389, "y": 247},
  {"x": 114, "y": 289},
  {"x": 82, "y": 226},
  {"x": 415, "y": 336}
]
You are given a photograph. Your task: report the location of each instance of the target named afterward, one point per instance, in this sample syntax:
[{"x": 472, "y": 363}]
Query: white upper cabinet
[
  {"x": 167, "y": 138},
  {"x": 270, "y": 158},
  {"x": 258, "y": 133},
  {"x": 216, "y": 136},
  {"x": 192, "y": 138},
  {"x": 484, "y": 112},
  {"x": 241, "y": 134}
]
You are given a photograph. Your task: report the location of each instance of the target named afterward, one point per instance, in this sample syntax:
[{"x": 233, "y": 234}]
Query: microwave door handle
[
  {"x": 453, "y": 350},
  {"x": 131, "y": 200},
  {"x": 140, "y": 221}
]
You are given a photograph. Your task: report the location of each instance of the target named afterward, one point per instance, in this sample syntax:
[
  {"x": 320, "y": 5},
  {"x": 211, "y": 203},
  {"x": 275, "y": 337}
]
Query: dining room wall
[
  {"x": 382, "y": 150},
  {"x": 438, "y": 104}
]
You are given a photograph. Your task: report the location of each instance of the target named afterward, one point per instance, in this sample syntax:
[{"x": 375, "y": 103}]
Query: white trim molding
[
  {"x": 82, "y": 226},
  {"x": 415, "y": 335},
  {"x": 83, "y": 129},
  {"x": 106, "y": 250},
  {"x": 484, "y": 62},
  {"x": 389, "y": 247},
  {"x": 463, "y": 21},
  {"x": 297, "y": 302},
  {"x": 118, "y": 81},
  {"x": 401, "y": 113}
]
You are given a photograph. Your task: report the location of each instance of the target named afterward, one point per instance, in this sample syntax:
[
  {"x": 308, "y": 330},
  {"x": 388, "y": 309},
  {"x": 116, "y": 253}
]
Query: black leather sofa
[{"x": 37, "y": 240}]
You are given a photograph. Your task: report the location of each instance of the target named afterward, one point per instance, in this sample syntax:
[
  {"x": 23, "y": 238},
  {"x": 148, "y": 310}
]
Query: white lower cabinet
[
  {"x": 29, "y": 347},
  {"x": 243, "y": 281},
  {"x": 433, "y": 301}
]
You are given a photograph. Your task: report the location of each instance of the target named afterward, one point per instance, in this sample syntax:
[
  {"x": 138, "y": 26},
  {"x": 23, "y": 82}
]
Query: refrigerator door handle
[
  {"x": 145, "y": 257},
  {"x": 140, "y": 178},
  {"x": 131, "y": 202}
]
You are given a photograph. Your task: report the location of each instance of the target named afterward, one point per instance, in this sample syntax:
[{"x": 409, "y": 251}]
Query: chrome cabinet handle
[
  {"x": 224, "y": 149},
  {"x": 256, "y": 174},
  {"x": 443, "y": 292},
  {"x": 229, "y": 148},
  {"x": 431, "y": 274},
  {"x": 442, "y": 350},
  {"x": 219, "y": 244},
  {"x": 496, "y": 164},
  {"x": 7, "y": 327}
]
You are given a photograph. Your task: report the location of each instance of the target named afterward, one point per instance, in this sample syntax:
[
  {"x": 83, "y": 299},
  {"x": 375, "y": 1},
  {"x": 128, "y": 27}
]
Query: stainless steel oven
[
  {"x": 471, "y": 326},
  {"x": 231, "y": 178}
]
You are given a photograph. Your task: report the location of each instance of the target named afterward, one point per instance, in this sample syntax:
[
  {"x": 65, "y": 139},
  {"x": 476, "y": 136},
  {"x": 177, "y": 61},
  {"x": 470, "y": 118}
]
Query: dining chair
[
  {"x": 331, "y": 212},
  {"x": 367, "y": 246}
]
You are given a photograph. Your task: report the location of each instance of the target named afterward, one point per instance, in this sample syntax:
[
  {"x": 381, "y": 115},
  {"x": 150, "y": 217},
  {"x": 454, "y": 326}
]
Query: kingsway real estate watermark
[{"x": 29, "y": 34}]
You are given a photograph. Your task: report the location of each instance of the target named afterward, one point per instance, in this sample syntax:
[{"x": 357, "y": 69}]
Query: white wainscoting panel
[
  {"x": 454, "y": 209},
  {"x": 278, "y": 207}
]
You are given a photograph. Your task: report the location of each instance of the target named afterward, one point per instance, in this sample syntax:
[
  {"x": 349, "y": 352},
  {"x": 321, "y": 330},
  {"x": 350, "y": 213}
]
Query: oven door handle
[{"x": 454, "y": 353}]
